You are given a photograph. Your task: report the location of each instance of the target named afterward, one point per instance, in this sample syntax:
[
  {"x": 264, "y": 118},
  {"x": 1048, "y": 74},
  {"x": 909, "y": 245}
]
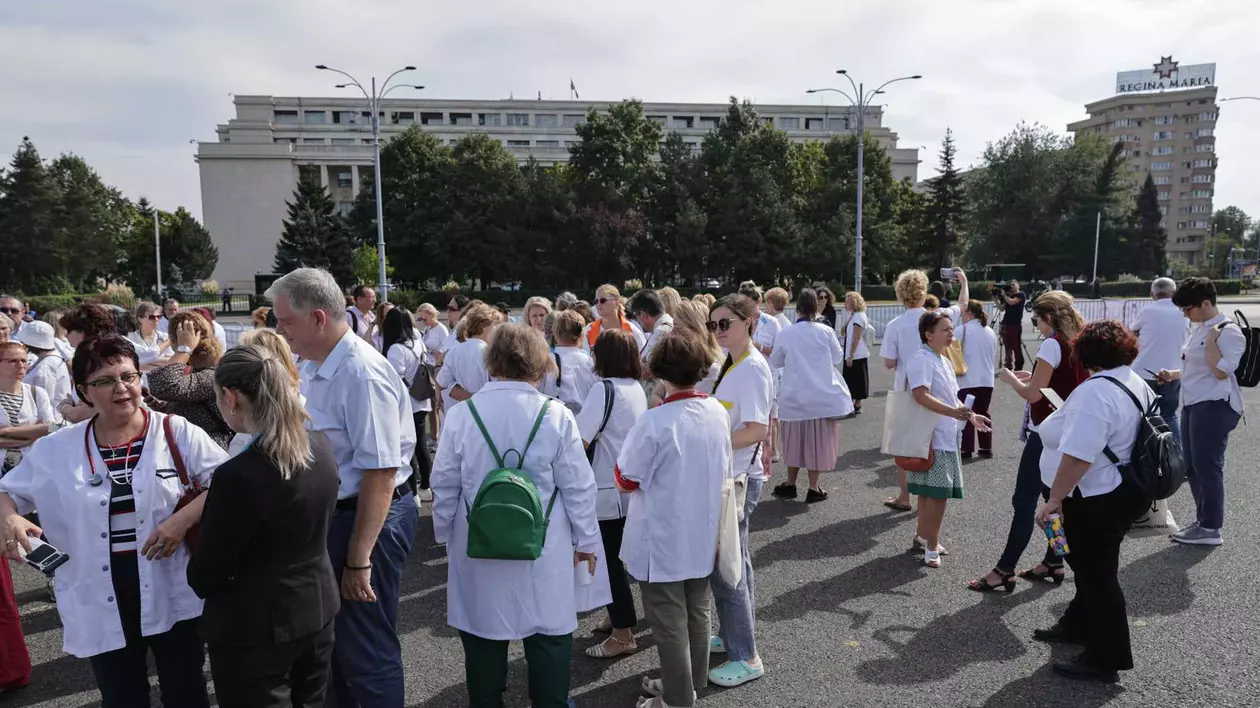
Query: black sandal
[
  {"x": 1053, "y": 574},
  {"x": 814, "y": 496},
  {"x": 982, "y": 585},
  {"x": 785, "y": 491}
]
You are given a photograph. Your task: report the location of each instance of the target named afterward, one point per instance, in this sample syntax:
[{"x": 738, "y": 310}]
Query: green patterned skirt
[{"x": 944, "y": 480}]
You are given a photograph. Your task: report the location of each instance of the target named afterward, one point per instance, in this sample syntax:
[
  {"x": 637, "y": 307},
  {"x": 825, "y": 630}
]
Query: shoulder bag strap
[
  {"x": 176, "y": 455},
  {"x": 559, "y": 370},
  {"x": 608, "y": 404},
  {"x": 498, "y": 460}
]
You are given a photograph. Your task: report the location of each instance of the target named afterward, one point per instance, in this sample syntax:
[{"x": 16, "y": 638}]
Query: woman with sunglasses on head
[
  {"x": 812, "y": 397},
  {"x": 1056, "y": 367},
  {"x": 151, "y": 343},
  {"x": 745, "y": 388},
  {"x": 612, "y": 315},
  {"x": 108, "y": 492}
]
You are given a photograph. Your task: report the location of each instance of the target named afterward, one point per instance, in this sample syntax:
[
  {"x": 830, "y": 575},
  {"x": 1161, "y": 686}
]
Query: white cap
[{"x": 38, "y": 335}]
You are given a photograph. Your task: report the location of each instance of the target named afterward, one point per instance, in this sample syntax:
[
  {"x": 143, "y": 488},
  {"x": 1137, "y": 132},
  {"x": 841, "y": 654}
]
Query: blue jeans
[
  {"x": 736, "y": 606},
  {"x": 1169, "y": 398},
  {"x": 367, "y": 667},
  {"x": 1028, "y": 489},
  {"x": 1207, "y": 426}
]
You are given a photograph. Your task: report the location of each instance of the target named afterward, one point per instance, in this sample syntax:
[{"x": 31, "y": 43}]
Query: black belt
[{"x": 350, "y": 503}]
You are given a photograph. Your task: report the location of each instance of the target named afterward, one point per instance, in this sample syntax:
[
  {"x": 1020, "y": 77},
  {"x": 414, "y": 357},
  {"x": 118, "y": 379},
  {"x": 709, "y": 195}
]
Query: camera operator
[{"x": 1012, "y": 325}]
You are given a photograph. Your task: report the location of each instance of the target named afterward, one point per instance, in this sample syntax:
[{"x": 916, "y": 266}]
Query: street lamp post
[
  {"x": 860, "y": 100},
  {"x": 374, "y": 104}
]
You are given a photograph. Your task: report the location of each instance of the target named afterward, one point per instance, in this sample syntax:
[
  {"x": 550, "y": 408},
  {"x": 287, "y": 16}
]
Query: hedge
[{"x": 49, "y": 303}]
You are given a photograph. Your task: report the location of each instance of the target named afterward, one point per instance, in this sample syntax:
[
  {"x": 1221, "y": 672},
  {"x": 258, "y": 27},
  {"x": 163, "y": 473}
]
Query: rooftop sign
[{"x": 1167, "y": 75}]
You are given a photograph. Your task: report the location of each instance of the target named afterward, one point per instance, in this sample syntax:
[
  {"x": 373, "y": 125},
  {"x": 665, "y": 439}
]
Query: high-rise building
[
  {"x": 1166, "y": 120},
  {"x": 253, "y": 168}
]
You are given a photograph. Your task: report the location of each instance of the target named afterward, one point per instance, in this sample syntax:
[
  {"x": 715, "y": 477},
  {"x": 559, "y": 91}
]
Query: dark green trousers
[{"x": 547, "y": 657}]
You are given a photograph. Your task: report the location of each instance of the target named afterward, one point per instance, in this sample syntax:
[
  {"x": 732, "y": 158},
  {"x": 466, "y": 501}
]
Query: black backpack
[
  {"x": 1248, "y": 371},
  {"x": 1156, "y": 467}
]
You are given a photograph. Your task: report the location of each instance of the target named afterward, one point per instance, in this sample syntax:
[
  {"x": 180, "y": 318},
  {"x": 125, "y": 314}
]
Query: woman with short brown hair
[{"x": 185, "y": 384}]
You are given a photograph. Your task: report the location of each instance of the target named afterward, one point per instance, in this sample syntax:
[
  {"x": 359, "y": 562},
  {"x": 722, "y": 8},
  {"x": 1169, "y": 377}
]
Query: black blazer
[{"x": 262, "y": 561}]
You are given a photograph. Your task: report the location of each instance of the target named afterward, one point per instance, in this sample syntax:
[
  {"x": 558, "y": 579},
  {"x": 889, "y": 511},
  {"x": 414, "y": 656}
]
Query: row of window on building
[
  {"x": 1168, "y": 135},
  {"x": 1161, "y": 180},
  {"x": 1206, "y": 116},
  {"x": 536, "y": 120},
  {"x": 1192, "y": 194},
  {"x": 1139, "y": 108}
]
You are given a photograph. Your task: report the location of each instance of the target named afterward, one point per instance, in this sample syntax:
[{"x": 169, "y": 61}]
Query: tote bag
[
  {"x": 908, "y": 427},
  {"x": 1157, "y": 520},
  {"x": 730, "y": 560},
  {"x": 955, "y": 354}
]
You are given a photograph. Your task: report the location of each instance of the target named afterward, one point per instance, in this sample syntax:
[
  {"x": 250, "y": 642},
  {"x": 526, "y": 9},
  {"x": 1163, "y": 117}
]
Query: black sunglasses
[
  {"x": 603, "y": 300},
  {"x": 10, "y": 310},
  {"x": 721, "y": 325}
]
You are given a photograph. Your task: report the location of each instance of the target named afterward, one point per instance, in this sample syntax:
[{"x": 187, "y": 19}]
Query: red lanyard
[
  {"x": 682, "y": 395},
  {"x": 96, "y": 480}
]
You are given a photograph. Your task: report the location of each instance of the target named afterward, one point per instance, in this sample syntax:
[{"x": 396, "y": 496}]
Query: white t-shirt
[
  {"x": 64, "y": 349},
  {"x": 148, "y": 353},
  {"x": 901, "y": 341},
  {"x": 220, "y": 334},
  {"x": 1162, "y": 331},
  {"x": 811, "y": 387},
  {"x": 434, "y": 339},
  {"x": 746, "y": 392},
  {"x": 577, "y": 375},
  {"x": 857, "y": 319},
  {"x": 767, "y": 328},
  {"x": 629, "y": 402},
  {"x": 979, "y": 345},
  {"x": 1051, "y": 353},
  {"x": 783, "y": 321},
  {"x": 464, "y": 366},
  {"x": 1198, "y": 384},
  {"x": 406, "y": 361},
  {"x": 927, "y": 368},
  {"x": 679, "y": 454},
  {"x": 1096, "y": 415}
]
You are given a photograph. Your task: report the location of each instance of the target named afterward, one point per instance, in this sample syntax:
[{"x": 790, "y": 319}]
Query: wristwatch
[{"x": 183, "y": 349}]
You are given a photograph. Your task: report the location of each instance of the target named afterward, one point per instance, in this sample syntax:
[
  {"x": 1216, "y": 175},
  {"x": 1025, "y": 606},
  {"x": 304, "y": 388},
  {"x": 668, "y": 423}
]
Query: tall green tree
[
  {"x": 484, "y": 189},
  {"x": 542, "y": 229},
  {"x": 1149, "y": 238},
  {"x": 315, "y": 235},
  {"x": 94, "y": 218},
  {"x": 32, "y": 224},
  {"x": 945, "y": 212},
  {"x": 675, "y": 246},
  {"x": 188, "y": 253}
]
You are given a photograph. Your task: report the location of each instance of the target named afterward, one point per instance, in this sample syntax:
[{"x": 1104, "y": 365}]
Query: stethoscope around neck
[{"x": 96, "y": 479}]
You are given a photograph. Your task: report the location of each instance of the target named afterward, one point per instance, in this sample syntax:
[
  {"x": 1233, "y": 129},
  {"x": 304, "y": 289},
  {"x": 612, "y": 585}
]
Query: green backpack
[{"x": 506, "y": 520}]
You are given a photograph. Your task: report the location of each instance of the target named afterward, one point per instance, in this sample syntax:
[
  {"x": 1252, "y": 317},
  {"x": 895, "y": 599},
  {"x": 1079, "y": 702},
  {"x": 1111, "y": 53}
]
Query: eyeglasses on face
[
  {"x": 10, "y": 310},
  {"x": 721, "y": 325},
  {"x": 15, "y": 362},
  {"x": 127, "y": 379}
]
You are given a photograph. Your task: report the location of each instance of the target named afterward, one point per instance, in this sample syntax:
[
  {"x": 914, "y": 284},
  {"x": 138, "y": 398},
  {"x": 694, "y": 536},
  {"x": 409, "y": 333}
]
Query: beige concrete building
[
  {"x": 1170, "y": 135},
  {"x": 252, "y": 169}
]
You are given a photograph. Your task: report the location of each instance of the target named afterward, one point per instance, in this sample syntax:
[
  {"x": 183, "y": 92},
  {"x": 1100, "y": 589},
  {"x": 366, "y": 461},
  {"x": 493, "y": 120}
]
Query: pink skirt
[{"x": 810, "y": 444}]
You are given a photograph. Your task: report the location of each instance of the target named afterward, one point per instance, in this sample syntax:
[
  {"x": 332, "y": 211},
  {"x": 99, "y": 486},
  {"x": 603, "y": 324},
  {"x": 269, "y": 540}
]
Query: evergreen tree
[
  {"x": 315, "y": 235},
  {"x": 1149, "y": 238},
  {"x": 30, "y": 223},
  {"x": 191, "y": 249},
  {"x": 94, "y": 219},
  {"x": 946, "y": 204}
]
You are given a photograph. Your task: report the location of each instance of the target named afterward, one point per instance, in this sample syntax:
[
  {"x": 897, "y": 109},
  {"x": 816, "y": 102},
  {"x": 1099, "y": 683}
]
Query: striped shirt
[
  {"x": 12, "y": 405},
  {"x": 120, "y": 461}
]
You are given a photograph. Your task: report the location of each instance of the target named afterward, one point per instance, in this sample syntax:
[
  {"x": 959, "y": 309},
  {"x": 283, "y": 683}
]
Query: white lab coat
[
  {"x": 55, "y": 478},
  {"x": 498, "y": 599}
]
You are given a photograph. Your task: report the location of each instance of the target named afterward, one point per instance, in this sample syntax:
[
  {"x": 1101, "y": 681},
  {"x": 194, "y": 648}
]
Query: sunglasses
[
  {"x": 155, "y": 318},
  {"x": 10, "y": 310},
  {"x": 603, "y": 300},
  {"x": 452, "y": 309},
  {"x": 721, "y": 325}
]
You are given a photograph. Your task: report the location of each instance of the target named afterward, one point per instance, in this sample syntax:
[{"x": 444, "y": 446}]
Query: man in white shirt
[
  {"x": 170, "y": 308},
  {"x": 648, "y": 312},
  {"x": 363, "y": 315},
  {"x": 359, "y": 401},
  {"x": 1162, "y": 332}
]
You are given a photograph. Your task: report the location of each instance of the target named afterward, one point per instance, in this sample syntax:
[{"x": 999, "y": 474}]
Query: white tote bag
[
  {"x": 730, "y": 560},
  {"x": 1156, "y": 521},
  {"x": 908, "y": 426}
]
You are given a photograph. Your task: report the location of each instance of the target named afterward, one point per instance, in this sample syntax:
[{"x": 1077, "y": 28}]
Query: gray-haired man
[{"x": 1162, "y": 332}]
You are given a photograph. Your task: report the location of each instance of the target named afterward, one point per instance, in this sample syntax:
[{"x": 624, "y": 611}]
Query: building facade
[
  {"x": 1171, "y": 136},
  {"x": 249, "y": 174}
]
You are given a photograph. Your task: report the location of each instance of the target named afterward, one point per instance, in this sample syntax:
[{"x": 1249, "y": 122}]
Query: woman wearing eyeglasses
[
  {"x": 25, "y": 410},
  {"x": 151, "y": 343},
  {"x": 107, "y": 492},
  {"x": 612, "y": 315},
  {"x": 186, "y": 383},
  {"x": 827, "y": 305}
]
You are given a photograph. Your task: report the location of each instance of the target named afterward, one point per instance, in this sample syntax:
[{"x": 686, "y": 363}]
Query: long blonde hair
[
  {"x": 611, "y": 291},
  {"x": 1059, "y": 310},
  {"x": 275, "y": 411},
  {"x": 268, "y": 339},
  {"x": 690, "y": 318}
]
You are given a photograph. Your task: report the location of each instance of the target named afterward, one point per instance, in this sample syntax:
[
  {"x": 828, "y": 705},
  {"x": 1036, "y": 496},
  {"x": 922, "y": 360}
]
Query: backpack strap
[
  {"x": 354, "y": 320},
  {"x": 1141, "y": 411},
  {"x": 559, "y": 370},
  {"x": 498, "y": 460},
  {"x": 542, "y": 414}
]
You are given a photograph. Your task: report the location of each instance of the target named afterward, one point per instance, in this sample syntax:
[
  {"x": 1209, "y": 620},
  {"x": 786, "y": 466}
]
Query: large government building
[
  {"x": 252, "y": 169},
  {"x": 1166, "y": 119}
]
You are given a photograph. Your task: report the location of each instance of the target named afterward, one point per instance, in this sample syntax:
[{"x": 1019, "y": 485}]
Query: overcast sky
[{"x": 127, "y": 83}]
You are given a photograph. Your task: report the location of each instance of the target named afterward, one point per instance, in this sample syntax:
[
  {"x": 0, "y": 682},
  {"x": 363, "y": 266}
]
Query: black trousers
[
  {"x": 122, "y": 675},
  {"x": 621, "y": 612},
  {"x": 274, "y": 675},
  {"x": 1095, "y": 528},
  {"x": 421, "y": 465}
]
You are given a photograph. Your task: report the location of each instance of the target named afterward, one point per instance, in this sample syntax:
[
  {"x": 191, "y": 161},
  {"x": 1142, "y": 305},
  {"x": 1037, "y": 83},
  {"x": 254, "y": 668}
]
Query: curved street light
[
  {"x": 374, "y": 103},
  {"x": 1240, "y": 98},
  {"x": 860, "y": 99}
]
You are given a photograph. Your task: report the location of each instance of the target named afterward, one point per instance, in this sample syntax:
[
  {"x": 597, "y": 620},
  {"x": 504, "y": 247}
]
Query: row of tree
[{"x": 65, "y": 230}]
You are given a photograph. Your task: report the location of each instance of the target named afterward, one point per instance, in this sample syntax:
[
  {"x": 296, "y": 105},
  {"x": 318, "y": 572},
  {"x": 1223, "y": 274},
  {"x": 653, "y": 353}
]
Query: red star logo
[{"x": 1166, "y": 67}]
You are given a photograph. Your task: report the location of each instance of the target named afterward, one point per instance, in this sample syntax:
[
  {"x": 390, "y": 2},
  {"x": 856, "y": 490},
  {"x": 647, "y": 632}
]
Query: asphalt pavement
[{"x": 848, "y": 617}]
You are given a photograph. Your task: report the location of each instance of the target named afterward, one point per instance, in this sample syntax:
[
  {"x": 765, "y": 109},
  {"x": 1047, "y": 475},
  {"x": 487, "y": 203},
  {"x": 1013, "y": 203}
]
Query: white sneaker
[{"x": 426, "y": 495}]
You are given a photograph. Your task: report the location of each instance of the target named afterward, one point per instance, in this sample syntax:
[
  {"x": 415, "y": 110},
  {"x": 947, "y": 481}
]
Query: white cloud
[{"x": 126, "y": 84}]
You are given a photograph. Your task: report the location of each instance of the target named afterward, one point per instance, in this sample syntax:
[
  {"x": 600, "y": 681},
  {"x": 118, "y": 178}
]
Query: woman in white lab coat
[
  {"x": 106, "y": 492},
  {"x": 492, "y": 602}
]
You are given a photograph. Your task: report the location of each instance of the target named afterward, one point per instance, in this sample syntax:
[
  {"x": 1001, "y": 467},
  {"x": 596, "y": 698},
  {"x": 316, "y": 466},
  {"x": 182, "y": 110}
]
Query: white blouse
[
  {"x": 150, "y": 352},
  {"x": 56, "y": 477},
  {"x": 1198, "y": 383},
  {"x": 464, "y": 365},
  {"x": 979, "y": 345},
  {"x": 577, "y": 376},
  {"x": 50, "y": 374},
  {"x": 902, "y": 341},
  {"x": 406, "y": 361},
  {"x": 629, "y": 404},
  {"x": 811, "y": 387},
  {"x": 679, "y": 454},
  {"x": 746, "y": 392},
  {"x": 857, "y": 319},
  {"x": 505, "y": 600},
  {"x": 927, "y": 368}
]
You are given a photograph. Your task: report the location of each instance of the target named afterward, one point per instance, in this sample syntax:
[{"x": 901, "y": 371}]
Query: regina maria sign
[{"x": 1165, "y": 76}]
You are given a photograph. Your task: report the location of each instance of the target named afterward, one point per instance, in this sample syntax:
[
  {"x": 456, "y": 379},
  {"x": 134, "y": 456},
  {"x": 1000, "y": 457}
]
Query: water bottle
[{"x": 1055, "y": 536}]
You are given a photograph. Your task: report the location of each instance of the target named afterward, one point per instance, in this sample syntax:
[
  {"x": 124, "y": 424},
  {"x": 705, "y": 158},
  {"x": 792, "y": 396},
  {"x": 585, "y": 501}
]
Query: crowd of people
[{"x": 258, "y": 504}]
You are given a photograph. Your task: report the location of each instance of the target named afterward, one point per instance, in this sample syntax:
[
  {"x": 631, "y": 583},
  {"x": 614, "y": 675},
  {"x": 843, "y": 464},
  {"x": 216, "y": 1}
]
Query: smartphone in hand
[{"x": 44, "y": 557}]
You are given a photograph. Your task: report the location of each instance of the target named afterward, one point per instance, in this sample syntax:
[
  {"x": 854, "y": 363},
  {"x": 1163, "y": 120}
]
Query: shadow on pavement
[
  {"x": 934, "y": 653},
  {"x": 772, "y": 513},
  {"x": 849, "y": 537},
  {"x": 1046, "y": 688},
  {"x": 858, "y": 459},
  {"x": 879, "y": 576},
  {"x": 1159, "y": 584}
]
